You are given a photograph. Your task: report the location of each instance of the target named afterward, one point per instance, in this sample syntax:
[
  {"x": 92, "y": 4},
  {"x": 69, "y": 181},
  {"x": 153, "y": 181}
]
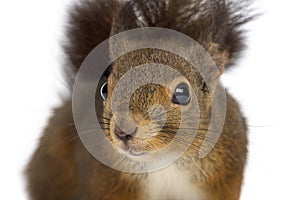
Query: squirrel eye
[
  {"x": 181, "y": 94},
  {"x": 103, "y": 91}
]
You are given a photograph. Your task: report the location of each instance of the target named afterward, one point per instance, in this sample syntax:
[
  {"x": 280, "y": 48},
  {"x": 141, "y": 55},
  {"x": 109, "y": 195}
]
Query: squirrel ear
[
  {"x": 89, "y": 23},
  {"x": 221, "y": 58},
  {"x": 212, "y": 71}
]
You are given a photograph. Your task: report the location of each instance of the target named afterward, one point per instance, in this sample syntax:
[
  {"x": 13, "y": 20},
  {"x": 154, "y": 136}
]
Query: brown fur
[{"x": 61, "y": 168}]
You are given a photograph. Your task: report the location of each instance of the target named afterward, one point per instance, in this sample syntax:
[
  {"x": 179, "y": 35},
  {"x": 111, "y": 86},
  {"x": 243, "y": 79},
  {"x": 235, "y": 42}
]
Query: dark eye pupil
[
  {"x": 181, "y": 94},
  {"x": 103, "y": 91}
]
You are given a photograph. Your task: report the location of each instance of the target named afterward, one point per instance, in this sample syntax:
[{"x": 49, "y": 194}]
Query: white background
[{"x": 266, "y": 82}]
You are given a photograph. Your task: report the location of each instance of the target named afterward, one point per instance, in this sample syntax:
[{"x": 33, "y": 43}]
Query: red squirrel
[{"x": 63, "y": 169}]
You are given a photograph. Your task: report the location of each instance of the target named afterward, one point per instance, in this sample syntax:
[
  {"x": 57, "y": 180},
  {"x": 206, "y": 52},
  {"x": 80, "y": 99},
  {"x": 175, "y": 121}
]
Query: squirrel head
[
  {"x": 148, "y": 117},
  {"x": 214, "y": 24}
]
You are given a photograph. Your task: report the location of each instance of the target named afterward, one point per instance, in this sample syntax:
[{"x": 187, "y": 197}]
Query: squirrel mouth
[
  {"x": 134, "y": 153},
  {"x": 128, "y": 150}
]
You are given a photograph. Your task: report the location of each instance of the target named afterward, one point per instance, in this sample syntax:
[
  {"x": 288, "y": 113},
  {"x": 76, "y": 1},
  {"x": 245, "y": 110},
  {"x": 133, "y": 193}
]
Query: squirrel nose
[{"x": 124, "y": 135}]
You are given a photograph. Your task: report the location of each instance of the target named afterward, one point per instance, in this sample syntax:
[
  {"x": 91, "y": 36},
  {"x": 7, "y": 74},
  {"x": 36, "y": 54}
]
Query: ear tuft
[{"x": 89, "y": 24}]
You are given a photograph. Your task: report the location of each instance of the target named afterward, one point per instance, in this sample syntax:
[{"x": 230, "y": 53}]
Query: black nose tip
[{"x": 124, "y": 135}]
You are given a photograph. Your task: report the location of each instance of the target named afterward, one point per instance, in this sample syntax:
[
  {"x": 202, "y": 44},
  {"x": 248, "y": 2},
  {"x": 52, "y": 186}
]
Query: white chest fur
[{"x": 170, "y": 184}]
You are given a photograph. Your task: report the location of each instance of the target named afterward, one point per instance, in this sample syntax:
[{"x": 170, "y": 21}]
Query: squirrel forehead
[{"x": 156, "y": 58}]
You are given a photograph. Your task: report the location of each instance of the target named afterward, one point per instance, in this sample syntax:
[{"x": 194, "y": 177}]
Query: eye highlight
[
  {"x": 181, "y": 94},
  {"x": 103, "y": 91}
]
